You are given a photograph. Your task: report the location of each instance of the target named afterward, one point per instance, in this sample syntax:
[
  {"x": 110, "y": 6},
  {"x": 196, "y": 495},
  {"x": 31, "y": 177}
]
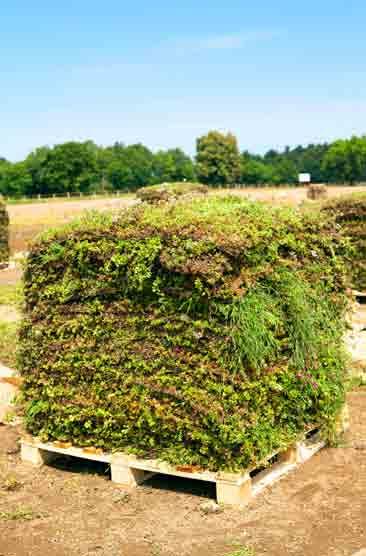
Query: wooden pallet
[
  {"x": 360, "y": 297},
  {"x": 231, "y": 488}
]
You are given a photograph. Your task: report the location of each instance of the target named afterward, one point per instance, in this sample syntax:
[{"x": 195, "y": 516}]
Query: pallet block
[
  {"x": 343, "y": 420},
  {"x": 234, "y": 489},
  {"x": 127, "y": 476},
  {"x": 32, "y": 454}
]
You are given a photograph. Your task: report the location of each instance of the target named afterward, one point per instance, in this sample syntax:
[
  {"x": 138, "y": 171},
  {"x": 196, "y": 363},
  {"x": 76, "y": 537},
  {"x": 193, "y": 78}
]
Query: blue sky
[{"x": 164, "y": 72}]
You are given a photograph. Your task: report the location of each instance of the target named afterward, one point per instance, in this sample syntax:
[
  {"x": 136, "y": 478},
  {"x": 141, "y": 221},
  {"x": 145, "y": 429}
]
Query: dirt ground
[
  {"x": 8, "y": 314},
  {"x": 74, "y": 509},
  {"x": 10, "y": 277},
  {"x": 27, "y": 220}
]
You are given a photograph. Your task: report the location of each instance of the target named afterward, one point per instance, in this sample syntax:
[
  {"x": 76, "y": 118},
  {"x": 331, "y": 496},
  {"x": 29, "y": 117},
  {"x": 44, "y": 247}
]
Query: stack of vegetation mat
[
  {"x": 205, "y": 333},
  {"x": 4, "y": 233},
  {"x": 316, "y": 191},
  {"x": 350, "y": 213},
  {"x": 164, "y": 192}
]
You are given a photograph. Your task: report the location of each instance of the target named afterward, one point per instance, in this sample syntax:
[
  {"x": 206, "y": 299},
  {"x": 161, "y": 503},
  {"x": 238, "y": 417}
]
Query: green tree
[
  {"x": 284, "y": 172},
  {"x": 140, "y": 163},
  {"x": 68, "y": 167},
  {"x": 345, "y": 161},
  {"x": 286, "y": 165},
  {"x": 37, "y": 163},
  {"x": 172, "y": 165},
  {"x": 254, "y": 172},
  {"x": 15, "y": 179},
  {"x": 218, "y": 159},
  {"x": 129, "y": 167}
]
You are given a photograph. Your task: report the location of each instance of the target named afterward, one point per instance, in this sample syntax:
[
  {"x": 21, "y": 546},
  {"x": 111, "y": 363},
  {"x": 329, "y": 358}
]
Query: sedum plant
[
  {"x": 206, "y": 332},
  {"x": 349, "y": 212},
  {"x": 164, "y": 192}
]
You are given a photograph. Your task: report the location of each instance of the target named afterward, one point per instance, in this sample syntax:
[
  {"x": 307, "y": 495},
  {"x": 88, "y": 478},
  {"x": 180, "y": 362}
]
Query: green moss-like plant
[
  {"x": 4, "y": 233},
  {"x": 349, "y": 212},
  {"x": 164, "y": 192},
  {"x": 207, "y": 332}
]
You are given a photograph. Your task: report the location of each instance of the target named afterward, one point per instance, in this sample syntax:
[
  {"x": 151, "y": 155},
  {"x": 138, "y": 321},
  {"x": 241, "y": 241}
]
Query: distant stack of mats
[
  {"x": 207, "y": 332},
  {"x": 350, "y": 213},
  {"x": 164, "y": 192},
  {"x": 4, "y": 233}
]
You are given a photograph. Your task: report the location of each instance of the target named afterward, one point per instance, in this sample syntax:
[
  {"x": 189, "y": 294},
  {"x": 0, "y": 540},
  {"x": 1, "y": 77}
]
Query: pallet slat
[{"x": 235, "y": 489}]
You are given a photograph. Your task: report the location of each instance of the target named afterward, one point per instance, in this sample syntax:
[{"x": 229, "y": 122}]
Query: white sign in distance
[{"x": 304, "y": 178}]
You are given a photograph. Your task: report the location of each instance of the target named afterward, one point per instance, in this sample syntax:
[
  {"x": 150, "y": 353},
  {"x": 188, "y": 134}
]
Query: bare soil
[
  {"x": 74, "y": 509},
  {"x": 8, "y": 314},
  {"x": 10, "y": 276}
]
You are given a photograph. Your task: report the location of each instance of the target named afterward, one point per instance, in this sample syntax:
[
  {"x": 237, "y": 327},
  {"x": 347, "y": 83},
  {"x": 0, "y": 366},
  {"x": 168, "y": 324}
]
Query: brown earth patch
[
  {"x": 9, "y": 314},
  {"x": 10, "y": 276}
]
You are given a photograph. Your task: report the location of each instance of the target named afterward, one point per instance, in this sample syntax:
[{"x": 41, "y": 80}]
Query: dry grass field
[
  {"x": 290, "y": 196},
  {"x": 27, "y": 220}
]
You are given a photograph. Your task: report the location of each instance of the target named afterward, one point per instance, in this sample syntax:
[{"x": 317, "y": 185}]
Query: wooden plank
[
  {"x": 236, "y": 489},
  {"x": 358, "y": 294},
  {"x": 55, "y": 448}
]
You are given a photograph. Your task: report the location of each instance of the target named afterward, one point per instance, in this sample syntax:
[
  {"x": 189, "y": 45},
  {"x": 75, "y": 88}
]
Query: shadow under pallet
[{"x": 235, "y": 489}]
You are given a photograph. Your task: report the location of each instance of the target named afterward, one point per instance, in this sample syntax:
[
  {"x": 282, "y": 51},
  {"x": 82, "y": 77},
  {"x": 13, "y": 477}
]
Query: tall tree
[
  {"x": 172, "y": 165},
  {"x": 129, "y": 167},
  {"x": 68, "y": 167},
  {"x": 255, "y": 172},
  {"x": 218, "y": 159},
  {"x": 15, "y": 179},
  {"x": 140, "y": 163},
  {"x": 37, "y": 166},
  {"x": 345, "y": 160}
]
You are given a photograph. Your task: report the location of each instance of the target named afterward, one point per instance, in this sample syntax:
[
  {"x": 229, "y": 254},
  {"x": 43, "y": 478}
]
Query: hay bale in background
[
  {"x": 165, "y": 192},
  {"x": 317, "y": 191},
  {"x": 349, "y": 212},
  {"x": 206, "y": 333},
  {"x": 4, "y": 233}
]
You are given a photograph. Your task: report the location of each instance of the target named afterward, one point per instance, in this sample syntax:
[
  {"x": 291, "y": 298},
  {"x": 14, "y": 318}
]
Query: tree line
[{"x": 86, "y": 167}]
